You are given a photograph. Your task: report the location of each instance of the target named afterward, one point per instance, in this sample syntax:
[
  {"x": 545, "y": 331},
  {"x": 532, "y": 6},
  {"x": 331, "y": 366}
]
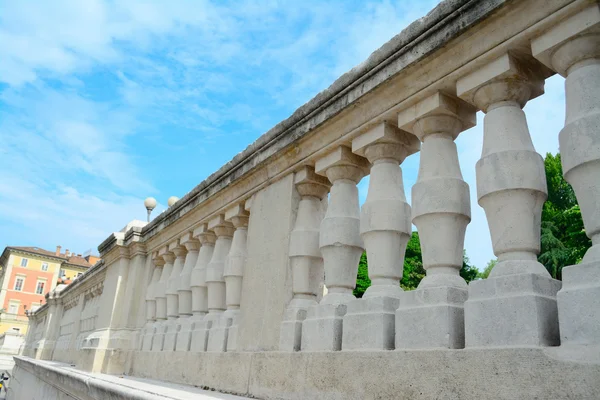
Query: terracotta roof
[
  {"x": 37, "y": 250},
  {"x": 72, "y": 259},
  {"x": 79, "y": 261}
]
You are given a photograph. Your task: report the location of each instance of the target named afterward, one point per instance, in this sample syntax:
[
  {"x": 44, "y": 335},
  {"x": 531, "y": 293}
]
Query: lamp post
[{"x": 150, "y": 204}]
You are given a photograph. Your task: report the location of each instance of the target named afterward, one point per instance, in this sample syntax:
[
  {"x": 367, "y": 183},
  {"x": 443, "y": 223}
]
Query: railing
[{"x": 239, "y": 263}]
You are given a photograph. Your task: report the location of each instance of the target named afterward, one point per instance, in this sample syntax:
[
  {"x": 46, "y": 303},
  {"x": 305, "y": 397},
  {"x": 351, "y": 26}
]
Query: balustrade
[{"x": 211, "y": 261}]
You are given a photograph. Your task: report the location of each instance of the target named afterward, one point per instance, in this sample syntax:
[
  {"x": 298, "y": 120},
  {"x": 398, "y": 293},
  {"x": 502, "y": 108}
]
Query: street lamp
[{"x": 150, "y": 204}]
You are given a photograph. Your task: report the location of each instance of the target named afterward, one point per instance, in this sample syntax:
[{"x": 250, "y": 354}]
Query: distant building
[{"x": 27, "y": 274}]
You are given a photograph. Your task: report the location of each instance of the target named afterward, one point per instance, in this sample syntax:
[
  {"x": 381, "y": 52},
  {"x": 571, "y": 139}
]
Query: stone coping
[{"x": 114, "y": 387}]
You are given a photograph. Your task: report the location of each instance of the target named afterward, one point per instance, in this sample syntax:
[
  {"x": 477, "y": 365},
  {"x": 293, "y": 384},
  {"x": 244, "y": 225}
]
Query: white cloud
[{"x": 178, "y": 75}]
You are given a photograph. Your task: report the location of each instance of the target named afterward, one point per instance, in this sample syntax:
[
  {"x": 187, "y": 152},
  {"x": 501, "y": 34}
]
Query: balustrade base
[
  {"x": 512, "y": 310},
  {"x": 172, "y": 330},
  {"x": 467, "y": 374},
  {"x": 200, "y": 335},
  {"x": 322, "y": 329},
  {"x": 579, "y": 304},
  {"x": 184, "y": 334},
  {"x": 430, "y": 318},
  {"x": 158, "y": 339},
  {"x": 147, "y": 338},
  {"x": 217, "y": 339},
  {"x": 369, "y": 324},
  {"x": 290, "y": 335},
  {"x": 232, "y": 336}
]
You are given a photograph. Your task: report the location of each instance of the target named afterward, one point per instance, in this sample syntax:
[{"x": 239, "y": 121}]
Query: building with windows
[{"x": 27, "y": 274}]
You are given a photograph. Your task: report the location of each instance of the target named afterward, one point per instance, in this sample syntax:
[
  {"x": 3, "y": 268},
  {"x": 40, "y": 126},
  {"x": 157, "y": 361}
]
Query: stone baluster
[
  {"x": 441, "y": 211},
  {"x": 341, "y": 246},
  {"x": 173, "y": 323},
  {"x": 200, "y": 327},
  {"x": 234, "y": 270},
  {"x": 151, "y": 310},
  {"x": 516, "y": 305},
  {"x": 305, "y": 256},
  {"x": 161, "y": 299},
  {"x": 572, "y": 48},
  {"x": 385, "y": 229},
  {"x": 215, "y": 280},
  {"x": 192, "y": 246},
  {"x": 233, "y": 273}
]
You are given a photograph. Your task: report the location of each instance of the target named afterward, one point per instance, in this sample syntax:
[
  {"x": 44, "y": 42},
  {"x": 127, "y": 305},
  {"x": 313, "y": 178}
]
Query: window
[
  {"x": 39, "y": 289},
  {"x": 45, "y": 266},
  {"x": 24, "y": 262},
  {"x": 35, "y": 306},
  {"x": 19, "y": 282},
  {"x": 13, "y": 309},
  {"x": 62, "y": 273}
]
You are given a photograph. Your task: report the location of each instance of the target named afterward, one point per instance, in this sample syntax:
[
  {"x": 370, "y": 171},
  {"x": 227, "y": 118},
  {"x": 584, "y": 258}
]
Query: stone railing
[{"x": 225, "y": 287}]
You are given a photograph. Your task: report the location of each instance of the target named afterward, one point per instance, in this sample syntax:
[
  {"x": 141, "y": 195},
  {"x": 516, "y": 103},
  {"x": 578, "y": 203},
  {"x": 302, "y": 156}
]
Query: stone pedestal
[
  {"x": 290, "y": 336},
  {"x": 512, "y": 310},
  {"x": 172, "y": 328},
  {"x": 200, "y": 333},
  {"x": 147, "y": 336},
  {"x": 431, "y": 317},
  {"x": 579, "y": 305},
  {"x": 217, "y": 340},
  {"x": 184, "y": 334},
  {"x": 322, "y": 328},
  {"x": 158, "y": 340},
  {"x": 369, "y": 324}
]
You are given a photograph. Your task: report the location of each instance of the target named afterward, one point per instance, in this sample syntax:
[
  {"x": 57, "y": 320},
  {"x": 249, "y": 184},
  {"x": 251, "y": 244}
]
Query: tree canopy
[
  {"x": 413, "y": 268},
  {"x": 563, "y": 238}
]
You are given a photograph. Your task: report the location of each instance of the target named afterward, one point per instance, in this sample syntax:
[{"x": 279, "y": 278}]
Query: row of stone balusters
[
  {"x": 517, "y": 304},
  {"x": 193, "y": 299}
]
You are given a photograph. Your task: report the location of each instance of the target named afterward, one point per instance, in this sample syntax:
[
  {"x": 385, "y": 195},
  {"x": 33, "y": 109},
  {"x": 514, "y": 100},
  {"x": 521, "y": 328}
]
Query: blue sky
[{"x": 103, "y": 103}]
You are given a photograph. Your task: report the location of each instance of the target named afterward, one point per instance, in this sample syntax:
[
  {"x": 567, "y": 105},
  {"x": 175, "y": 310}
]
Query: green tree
[
  {"x": 362, "y": 279},
  {"x": 563, "y": 238},
  {"x": 413, "y": 264},
  {"x": 413, "y": 268},
  {"x": 488, "y": 268},
  {"x": 468, "y": 272}
]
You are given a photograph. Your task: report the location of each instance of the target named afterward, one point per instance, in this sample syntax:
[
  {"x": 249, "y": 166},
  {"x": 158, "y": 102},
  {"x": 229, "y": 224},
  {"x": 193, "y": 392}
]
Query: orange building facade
[{"x": 27, "y": 275}]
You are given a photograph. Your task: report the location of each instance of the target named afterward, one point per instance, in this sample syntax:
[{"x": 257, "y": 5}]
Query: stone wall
[{"x": 224, "y": 289}]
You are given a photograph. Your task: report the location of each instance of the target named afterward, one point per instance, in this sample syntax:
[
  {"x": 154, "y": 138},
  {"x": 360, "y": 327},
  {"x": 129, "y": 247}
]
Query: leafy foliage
[
  {"x": 362, "y": 279},
  {"x": 413, "y": 268},
  {"x": 488, "y": 268},
  {"x": 563, "y": 237}
]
